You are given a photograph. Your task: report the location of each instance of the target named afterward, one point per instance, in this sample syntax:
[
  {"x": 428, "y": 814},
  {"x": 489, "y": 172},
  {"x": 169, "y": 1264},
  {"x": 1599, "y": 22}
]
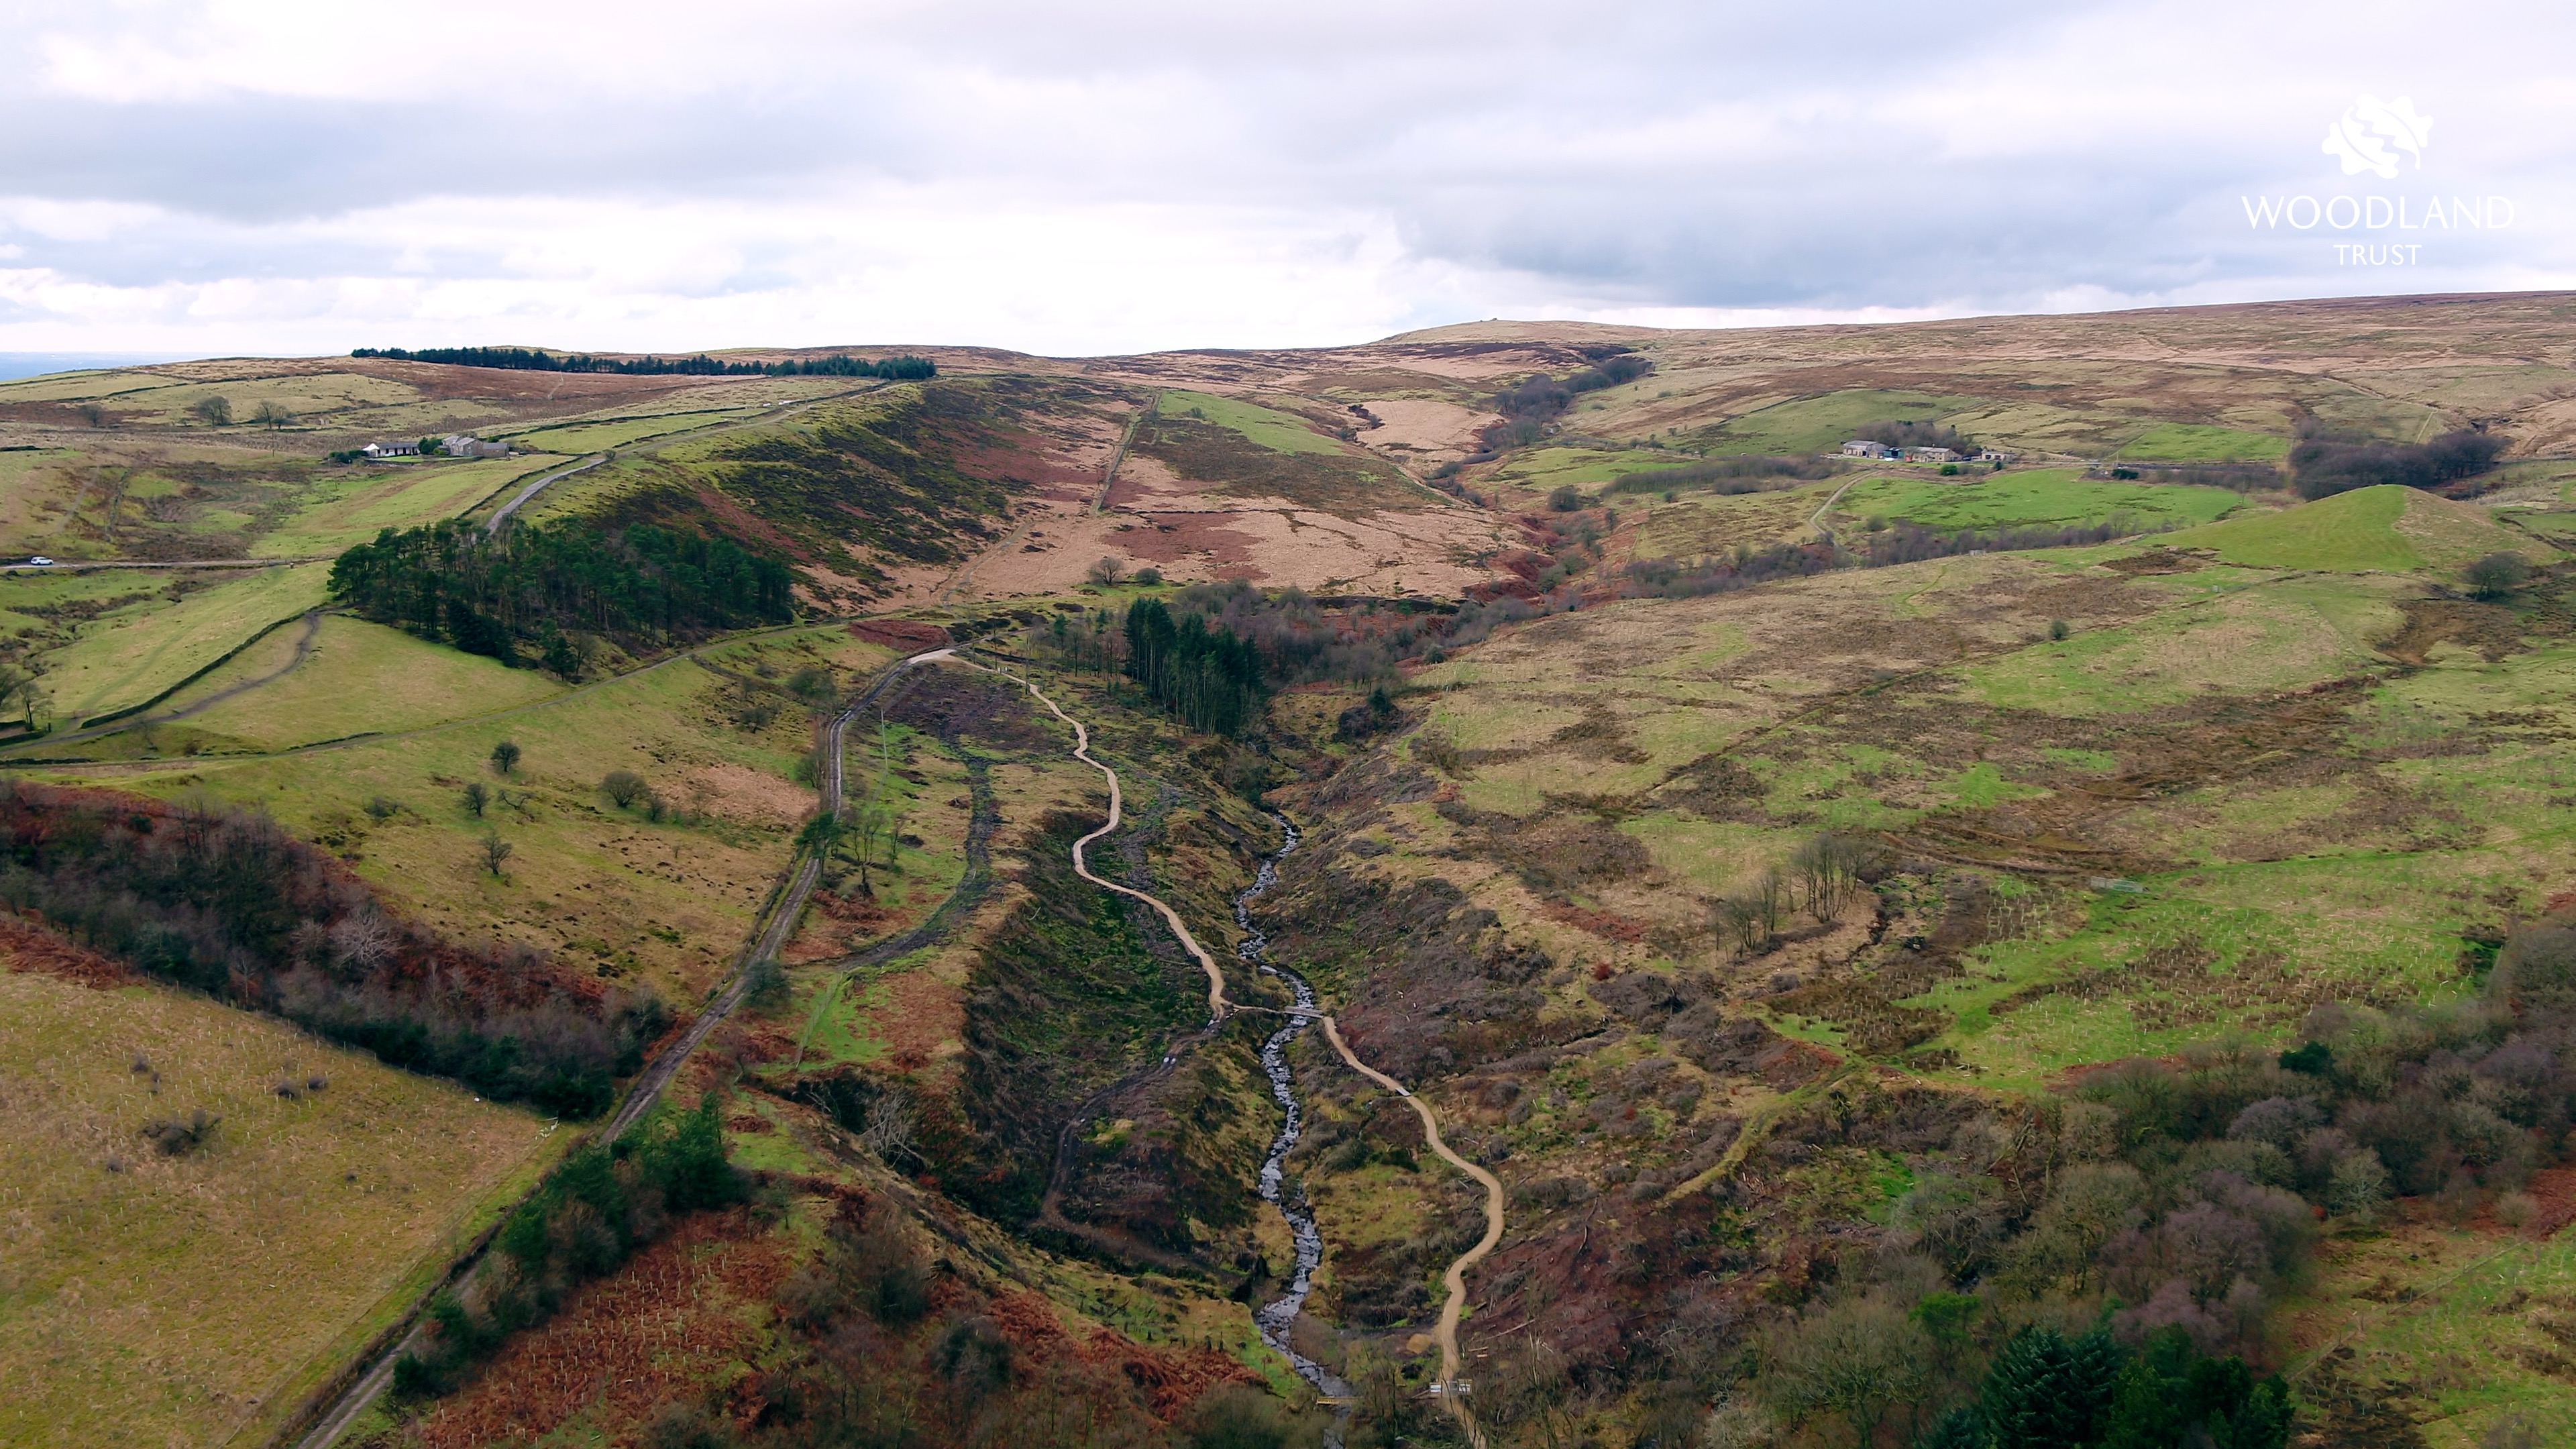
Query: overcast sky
[{"x": 280, "y": 177}]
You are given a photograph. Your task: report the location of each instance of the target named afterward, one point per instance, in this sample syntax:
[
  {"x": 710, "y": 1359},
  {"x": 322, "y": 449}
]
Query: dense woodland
[
  {"x": 1899, "y": 433},
  {"x": 1209, "y": 677},
  {"x": 523, "y": 359},
  {"x": 539, "y": 586},
  {"x": 2324, "y": 463},
  {"x": 1739, "y": 473},
  {"x": 1254, "y": 641},
  {"x": 226, "y": 902}
]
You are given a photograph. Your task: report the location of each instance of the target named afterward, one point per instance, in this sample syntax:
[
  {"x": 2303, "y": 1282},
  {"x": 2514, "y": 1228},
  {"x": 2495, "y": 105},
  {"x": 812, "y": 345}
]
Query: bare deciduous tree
[
  {"x": 890, "y": 1130},
  {"x": 495, "y": 851},
  {"x": 1828, "y": 872},
  {"x": 1752, "y": 916},
  {"x": 362, "y": 940},
  {"x": 1857, "y": 1360},
  {"x": 1107, "y": 570},
  {"x": 215, "y": 411},
  {"x": 271, "y": 415}
]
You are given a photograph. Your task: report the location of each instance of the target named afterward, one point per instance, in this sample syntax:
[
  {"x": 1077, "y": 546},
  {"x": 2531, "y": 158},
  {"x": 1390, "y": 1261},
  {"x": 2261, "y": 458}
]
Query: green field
[
  {"x": 1823, "y": 424},
  {"x": 1546, "y": 468},
  {"x": 622, "y": 432},
  {"x": 360, "y": 678},
  {"x": 311, "y": 397},
  {"x": 2280, "y": 635},
  {"x": 1277, "y": 431},
  {"x": 2034, "y": 497},
  {"x": 341, "y": 511},
  {"x": 2199, "y": 443},
  {"x": 76, "y": 386},
  {"x": 2387, "y": 527},
  {"x": 158, "y": 1299},
  {"x": 125, "y": 658}
]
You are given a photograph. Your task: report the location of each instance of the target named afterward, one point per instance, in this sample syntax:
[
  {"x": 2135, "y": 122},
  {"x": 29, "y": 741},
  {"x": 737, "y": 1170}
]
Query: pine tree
[{"x": 2046, "y": 1391}]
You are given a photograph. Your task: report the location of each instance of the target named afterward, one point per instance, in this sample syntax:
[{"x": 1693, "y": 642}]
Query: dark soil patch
[
  {"x": 2491, "y": 629},
  {"x": 2156, "y": 561}
]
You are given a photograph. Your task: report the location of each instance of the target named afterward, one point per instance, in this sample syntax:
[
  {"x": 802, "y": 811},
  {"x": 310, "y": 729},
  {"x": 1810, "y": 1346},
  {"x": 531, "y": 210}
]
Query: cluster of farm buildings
[
  {"x": 462, "y": 445},
  {"x": 1865, "y": 448}
]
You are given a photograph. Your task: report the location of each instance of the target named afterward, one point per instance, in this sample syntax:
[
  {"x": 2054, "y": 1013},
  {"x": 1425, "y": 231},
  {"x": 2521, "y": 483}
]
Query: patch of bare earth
[{"x": 740, "y": 793}]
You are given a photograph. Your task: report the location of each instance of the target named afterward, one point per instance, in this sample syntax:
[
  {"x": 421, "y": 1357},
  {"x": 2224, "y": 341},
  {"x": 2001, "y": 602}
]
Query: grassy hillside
[
  {"x": 124, "y": 658},
  {"x": 2387, "y": 527},
  {"x": 177, "y": 1298},
  {"x": 2028, "y": 497}
]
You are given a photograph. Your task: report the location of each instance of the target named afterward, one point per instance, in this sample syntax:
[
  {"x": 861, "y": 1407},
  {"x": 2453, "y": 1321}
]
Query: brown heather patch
[
  {"x": 680, "y": 1312},
  {"x": 30, "y": 947}
]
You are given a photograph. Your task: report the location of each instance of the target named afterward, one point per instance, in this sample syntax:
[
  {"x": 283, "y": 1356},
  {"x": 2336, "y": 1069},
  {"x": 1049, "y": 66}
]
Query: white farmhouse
[{"x": 391, "y": 450}]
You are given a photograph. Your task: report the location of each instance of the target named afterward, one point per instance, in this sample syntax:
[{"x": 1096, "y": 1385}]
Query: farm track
[
  {"x": 1453, "y": 1309},
  {"x": 934, "y": 929},
  {"x": 648, "y": 1086},
  {"x": 502, "y": 514}
]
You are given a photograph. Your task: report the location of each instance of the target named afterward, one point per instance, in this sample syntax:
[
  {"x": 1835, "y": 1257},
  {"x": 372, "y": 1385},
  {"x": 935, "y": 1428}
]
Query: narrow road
[
  {"x": 84, "y": 566},
  {"x": 653, "y": 445},
  {"x": 1455, "y": 1279},
  {"x": 502, "y": 513},
  {"x": 1818, "y": 522},
  {"x": 648, "y": 1086}
]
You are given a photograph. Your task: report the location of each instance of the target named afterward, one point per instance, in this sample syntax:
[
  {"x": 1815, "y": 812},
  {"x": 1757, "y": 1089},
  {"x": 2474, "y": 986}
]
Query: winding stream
[{"x": 1274, "y": 1318}]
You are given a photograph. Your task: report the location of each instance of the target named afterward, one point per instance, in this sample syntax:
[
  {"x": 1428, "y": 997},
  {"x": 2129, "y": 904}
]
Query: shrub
[
  {"x": 178, "y": 1136},
  {"x": 622, "y": 787},
  {"x": 1239, "y": 1416},
  {"x": 764, "y": 984},
  {"x": 1149, "y": 576},
  {"x": 2497, "y": 575},
  {"x": 1564, "y": 498},
  {"x": 811, "y": 683}
]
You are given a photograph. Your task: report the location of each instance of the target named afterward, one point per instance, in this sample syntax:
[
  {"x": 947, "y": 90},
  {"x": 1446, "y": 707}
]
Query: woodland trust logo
[
  {"x": 2362, "y": 135},
  {"x": 2378, "y": 138}
]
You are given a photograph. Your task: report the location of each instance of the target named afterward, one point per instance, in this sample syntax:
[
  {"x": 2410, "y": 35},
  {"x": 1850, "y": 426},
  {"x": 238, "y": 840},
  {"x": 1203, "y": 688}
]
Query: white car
[{"x": 41, "y": 561}]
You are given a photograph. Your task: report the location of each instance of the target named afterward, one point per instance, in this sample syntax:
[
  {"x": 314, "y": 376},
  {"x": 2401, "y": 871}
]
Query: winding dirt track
[{"x": 1455, "y": 1280}]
